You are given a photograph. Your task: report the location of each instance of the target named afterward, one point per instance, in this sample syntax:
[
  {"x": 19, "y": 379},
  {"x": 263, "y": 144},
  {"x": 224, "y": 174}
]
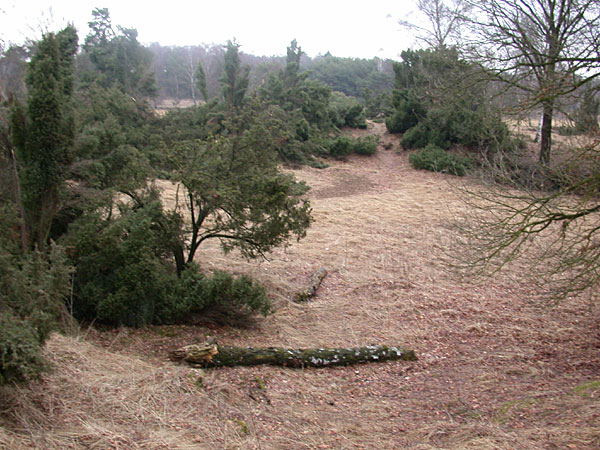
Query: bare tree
[
  {"x": 555, "y": 233},
  {"x": 546, "y": 48},
  {"x": 190, "y": 71},
  {"x": 444, "y": 22}
]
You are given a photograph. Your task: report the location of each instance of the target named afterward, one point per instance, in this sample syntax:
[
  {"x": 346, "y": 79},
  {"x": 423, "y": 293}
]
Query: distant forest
[{"x": 175, "y": 71}]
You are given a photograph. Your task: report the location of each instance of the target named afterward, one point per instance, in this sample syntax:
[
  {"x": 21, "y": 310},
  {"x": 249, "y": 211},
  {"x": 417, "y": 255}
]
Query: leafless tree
[
  {"x": 546, "y": 48},
  {"x": 444, "y": 22}
]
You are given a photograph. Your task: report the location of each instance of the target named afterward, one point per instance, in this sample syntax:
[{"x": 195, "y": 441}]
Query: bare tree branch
[{"x": 554, "y": 233}]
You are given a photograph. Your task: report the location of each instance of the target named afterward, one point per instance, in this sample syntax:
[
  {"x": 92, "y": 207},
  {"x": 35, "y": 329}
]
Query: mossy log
[
  {"x": 311, "y": 290},
  {"x": 211, "y": 355}
]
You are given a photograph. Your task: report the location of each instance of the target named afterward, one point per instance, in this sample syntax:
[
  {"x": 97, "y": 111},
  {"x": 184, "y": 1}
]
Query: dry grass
[{"x": 494, "y": 371}]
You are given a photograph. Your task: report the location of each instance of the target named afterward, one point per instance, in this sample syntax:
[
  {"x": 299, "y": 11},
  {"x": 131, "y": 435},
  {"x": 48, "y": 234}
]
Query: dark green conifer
[
  {"x": 235, "y": 78},
  {"x": 43, "y": 132}
]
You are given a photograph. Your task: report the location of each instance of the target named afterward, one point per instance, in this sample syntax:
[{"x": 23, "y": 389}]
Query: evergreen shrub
[
  {"x": 346, "y": 111},
  {"x": 124, "y": 277},
  {"x": 408, "y": 111},
  {"x": 121, "y": 271},
  {"x": 32, "y": 289},
  {"x": 221, "y": 297},
  {"x": 20, "y": 350},
  {"x": 416, "y": 137},
  {"x": 342, "y": 146},
  {"x": 365, "y": 146},
  {"x": 435, "y": 159}
]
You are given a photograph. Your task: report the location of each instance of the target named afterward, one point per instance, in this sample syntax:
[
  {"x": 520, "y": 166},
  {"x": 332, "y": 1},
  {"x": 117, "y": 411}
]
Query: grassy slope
[{"x": 495, "y": 372}]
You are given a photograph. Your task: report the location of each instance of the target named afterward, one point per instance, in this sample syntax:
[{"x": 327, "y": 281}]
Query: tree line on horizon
[{"x": 175, "y": 68}]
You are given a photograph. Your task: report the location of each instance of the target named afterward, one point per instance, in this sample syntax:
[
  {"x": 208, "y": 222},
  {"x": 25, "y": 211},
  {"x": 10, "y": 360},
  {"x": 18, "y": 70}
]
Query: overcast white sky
[{"x": 362, "y": 29}]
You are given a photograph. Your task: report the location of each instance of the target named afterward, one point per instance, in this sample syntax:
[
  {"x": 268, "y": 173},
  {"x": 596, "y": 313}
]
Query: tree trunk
[
  {"x": 192, "y": 78},
  {"x": 539, "y": 130},
  {"x": 546, "y": 144},
  {"x": 179, "y": 258},
  {"x": 311, "y": 290},
  {"x": 47, "y": 210},
  {"x": 211, "y": 355},
  {"x": 25, "y": 239}
]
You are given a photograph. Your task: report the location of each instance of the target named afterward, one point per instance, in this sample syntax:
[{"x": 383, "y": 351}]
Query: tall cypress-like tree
[
  {"x": 291, "y": 73},
  {"x": 43, "y": 132},
  {"x": 201, "y": 81},
  {"x": 235, "y": 78}
]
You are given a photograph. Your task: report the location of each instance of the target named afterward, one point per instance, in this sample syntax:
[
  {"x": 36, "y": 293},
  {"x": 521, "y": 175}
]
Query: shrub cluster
[
  {"x": 32, "y": 289},
  {"x": 459, "y": 125},
  {"x": 436, "y": 102},
  {"x": 20, "y": 356},
  {"x": 346, "y": 111},
  {"x": 408, "y": 111},
  {"x": 220, "y": 297},
  {"x": 435, "y": 159},
  {"x": 124, "y": 277},
  {"x": 342, "y": 146}
]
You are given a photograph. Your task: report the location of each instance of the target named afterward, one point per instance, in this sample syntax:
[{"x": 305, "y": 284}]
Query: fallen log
[
  {"x": 212, "y": 355},
  {"x": 311, "y": 290}
]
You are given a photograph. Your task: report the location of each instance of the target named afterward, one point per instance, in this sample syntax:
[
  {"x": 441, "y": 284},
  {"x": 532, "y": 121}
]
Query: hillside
[{"x": 494, "y": 371}]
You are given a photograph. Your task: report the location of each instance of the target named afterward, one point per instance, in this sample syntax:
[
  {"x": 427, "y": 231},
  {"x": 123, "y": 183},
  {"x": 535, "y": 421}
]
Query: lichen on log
[
  {"x": 311, "y": 290},
  {"x": 198, "y": 355}
]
